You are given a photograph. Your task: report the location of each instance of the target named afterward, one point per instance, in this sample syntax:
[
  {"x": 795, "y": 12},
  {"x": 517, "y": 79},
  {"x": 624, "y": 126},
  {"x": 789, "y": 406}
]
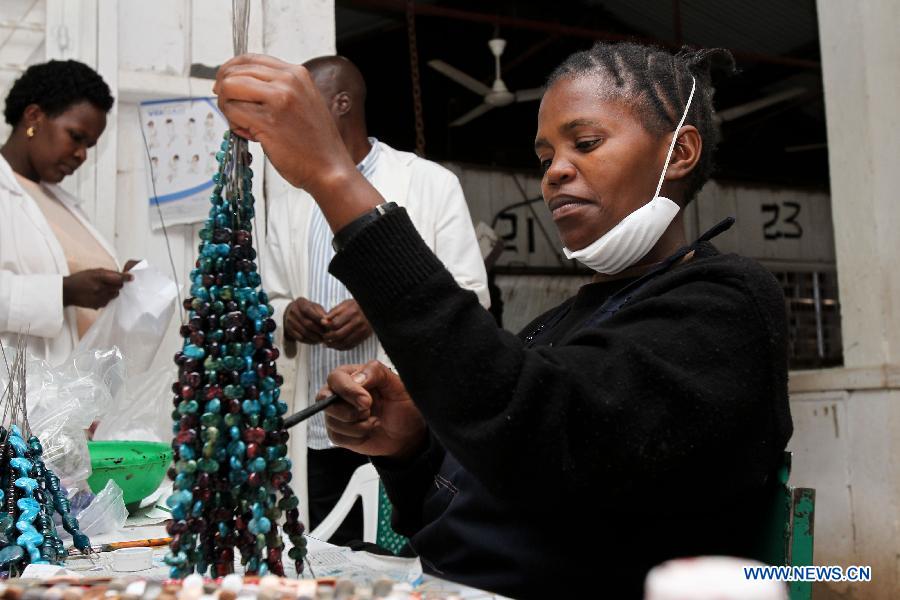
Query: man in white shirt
[{"x": 316, "y": 310}]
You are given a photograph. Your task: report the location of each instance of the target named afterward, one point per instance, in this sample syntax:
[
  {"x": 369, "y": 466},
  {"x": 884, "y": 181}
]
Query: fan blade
[
  {"x": 459, "y": 77},
  {"x": 742, "y": 110},
  {"x": 475, "y": 112},
  {"x": 530, "y": 94}
]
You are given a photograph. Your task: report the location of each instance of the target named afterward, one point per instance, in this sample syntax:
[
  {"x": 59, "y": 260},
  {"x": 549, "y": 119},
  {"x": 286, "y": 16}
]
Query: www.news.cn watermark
[{"x": 810, "y": 573}]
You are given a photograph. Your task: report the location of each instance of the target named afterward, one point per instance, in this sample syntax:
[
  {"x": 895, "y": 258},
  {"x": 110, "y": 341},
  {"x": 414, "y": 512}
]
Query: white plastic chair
[{"x": 363, "y": 484}]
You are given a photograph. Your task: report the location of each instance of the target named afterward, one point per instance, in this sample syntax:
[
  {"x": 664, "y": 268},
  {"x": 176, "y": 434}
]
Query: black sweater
[{"x": 649, "y": 436}]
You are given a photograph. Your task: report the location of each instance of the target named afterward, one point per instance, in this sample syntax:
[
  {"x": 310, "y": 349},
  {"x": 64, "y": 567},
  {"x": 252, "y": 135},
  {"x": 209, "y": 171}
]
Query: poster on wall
[{"x": 181, "y": 137}]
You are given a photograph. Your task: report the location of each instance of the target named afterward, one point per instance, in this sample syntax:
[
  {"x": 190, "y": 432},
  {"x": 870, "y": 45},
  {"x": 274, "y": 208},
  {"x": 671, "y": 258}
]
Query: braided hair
[
  {"x": 55, "y": 86},
  {"x": 656, "y": 85}
]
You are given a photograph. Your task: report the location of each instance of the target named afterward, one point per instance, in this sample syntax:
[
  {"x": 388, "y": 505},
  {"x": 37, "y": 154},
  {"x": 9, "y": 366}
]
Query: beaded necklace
[
  {"x": 231, "y": 473},
  {"x": 29, "y": 491}
]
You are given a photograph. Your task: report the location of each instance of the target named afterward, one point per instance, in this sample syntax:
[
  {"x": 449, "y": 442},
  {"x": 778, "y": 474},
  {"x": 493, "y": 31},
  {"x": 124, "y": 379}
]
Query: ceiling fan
[{"x": 495, "y": 96}]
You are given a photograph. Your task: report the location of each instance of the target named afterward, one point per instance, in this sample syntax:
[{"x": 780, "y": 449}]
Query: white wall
[{"x": 144, "y": 50}]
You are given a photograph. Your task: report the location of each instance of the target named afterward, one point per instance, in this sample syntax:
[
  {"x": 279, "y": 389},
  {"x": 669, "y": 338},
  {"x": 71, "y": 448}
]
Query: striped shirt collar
[{"x": 367, "y": 164}]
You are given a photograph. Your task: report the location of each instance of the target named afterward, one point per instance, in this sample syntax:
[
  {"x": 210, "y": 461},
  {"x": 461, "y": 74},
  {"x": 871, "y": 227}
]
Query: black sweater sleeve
[{"x": 674, "y": 388}]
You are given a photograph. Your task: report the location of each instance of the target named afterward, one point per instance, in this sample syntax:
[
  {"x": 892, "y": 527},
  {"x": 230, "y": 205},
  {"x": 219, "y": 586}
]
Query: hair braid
[{"x": 656, "y": 84}]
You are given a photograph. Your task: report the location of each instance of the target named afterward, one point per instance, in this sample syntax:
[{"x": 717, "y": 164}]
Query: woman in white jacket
[{"x": 55, "y": 269}]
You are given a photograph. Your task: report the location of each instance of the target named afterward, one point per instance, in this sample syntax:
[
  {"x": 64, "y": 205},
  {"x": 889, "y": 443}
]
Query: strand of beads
[
  {"x": 31, "y": 492},
  {"x": 232, "y": 477}
]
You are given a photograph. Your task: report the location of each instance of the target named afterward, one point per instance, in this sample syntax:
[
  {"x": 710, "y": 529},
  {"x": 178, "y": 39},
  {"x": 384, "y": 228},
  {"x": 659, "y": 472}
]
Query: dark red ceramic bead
[
  {"x": 254, "y": 435},
  {"x": 253, "y": 450}
]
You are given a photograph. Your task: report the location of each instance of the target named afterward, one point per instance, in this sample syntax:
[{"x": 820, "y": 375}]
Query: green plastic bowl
[{"x": 136, "y": 467}]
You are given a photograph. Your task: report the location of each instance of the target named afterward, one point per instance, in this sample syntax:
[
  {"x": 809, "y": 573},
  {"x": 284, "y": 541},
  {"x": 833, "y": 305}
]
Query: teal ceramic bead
[
  {"x": 280, "y": 464},
  {"x": 189, "y": 407},
  {"x": 270, "y": 410},
  {"x": 235, "y": 433},
  {"x": 282, "y": 408},
  {"x": 268, "y": 384},
  {"x": 237, "y": 448},
  {"x": 288, "y": 503},
  {"x": 296, "y": 553},
  {"x": 257, "y": 465},
  {"x": 257, "y": 510},
  {"x": 186, "y": 452},
  {"x": 207, "y": 465},
  {"x": 10, "y": 555},
  {"x": 184, "y": 481},
  {"x": 178, "y": 498},
  {"x": 210, "y": 419},
  {"x": 214, "y": 406},
  {"x": 235, "y": 463},
  {"x": 192, "y": 351},
  {"x": 250, "y": 407}
]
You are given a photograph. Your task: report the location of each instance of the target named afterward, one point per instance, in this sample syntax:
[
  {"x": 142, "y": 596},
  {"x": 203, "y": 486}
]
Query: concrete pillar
[
  {"x": 860, "y": 58},
  {"x": 847, "y": 421}
]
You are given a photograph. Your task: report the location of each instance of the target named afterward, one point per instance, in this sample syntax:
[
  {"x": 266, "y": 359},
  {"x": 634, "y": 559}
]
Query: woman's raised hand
[{"x": 278, "y": 105}]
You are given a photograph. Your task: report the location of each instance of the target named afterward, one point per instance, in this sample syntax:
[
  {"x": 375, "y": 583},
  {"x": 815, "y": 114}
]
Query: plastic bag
[
  {"x": 63, "y": 402},
  {"x": 142, "y": 413},
  {"x": 105, "y": 513},
  {"x": 137, "y": 319}
]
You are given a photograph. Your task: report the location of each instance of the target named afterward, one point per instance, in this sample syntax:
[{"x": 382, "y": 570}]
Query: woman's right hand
[
  {"x": 93, "y": 288},
  {"x": 377, "y": 416},
  {"x": 278, "y": 105}
]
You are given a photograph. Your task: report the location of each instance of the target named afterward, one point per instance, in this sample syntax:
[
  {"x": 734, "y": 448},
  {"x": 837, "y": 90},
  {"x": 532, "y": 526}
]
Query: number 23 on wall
[{"x": 782, "y": 222}]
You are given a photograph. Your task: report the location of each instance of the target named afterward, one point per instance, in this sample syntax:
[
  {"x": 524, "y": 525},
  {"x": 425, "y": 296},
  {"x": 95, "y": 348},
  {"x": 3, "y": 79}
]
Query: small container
[{"x": 132, "y": 559}]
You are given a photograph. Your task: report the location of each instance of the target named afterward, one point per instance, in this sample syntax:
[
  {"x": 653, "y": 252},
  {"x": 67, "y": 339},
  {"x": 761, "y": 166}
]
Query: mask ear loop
[{"x": 675, "y": 136}]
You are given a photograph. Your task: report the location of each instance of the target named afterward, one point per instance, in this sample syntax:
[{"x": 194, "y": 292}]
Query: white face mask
[{"x": 635, "y": 235}]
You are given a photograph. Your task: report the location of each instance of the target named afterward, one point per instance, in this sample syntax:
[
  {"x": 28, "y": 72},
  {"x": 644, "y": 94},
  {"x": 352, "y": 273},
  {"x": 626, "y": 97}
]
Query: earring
[{"x": 30, "y": 131}]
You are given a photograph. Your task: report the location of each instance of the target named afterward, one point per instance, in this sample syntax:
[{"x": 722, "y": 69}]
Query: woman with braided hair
[{"x": 641, "y": 420}]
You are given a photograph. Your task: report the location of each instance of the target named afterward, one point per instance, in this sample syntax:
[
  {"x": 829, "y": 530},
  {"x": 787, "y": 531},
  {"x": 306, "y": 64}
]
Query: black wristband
[{"x": 349, "y": 231}]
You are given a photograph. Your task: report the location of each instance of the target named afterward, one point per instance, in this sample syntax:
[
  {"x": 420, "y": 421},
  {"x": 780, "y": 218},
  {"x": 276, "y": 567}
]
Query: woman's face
[
  {"x": 600, "y": 163},
  {"x": 60, "y": 143}
]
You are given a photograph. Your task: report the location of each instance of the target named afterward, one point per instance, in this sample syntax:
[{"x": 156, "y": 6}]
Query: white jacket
[
  {"x": 435, "y": 203},
  {"x": 32, "y": 267}
]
